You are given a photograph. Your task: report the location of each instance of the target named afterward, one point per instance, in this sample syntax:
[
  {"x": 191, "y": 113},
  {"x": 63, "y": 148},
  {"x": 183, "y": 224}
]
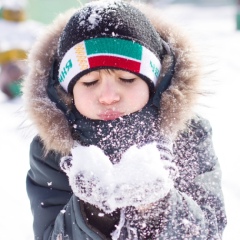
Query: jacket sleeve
[
  {"x": 195, "y": 207},
  {"x": 56, "y": 211}
]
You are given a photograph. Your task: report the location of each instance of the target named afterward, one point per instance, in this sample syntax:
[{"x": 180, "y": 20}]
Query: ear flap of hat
[{"x": 166, "y": 81}]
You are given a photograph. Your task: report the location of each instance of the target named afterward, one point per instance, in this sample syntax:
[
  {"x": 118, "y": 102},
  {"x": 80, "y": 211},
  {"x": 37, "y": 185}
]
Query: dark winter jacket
[
  {"x": 197, "y": 196},
  {"x": 193, "y": 209}
]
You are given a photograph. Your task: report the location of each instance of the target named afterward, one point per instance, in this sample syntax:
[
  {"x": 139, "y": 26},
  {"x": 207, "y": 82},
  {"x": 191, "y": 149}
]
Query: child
[{"x": 120, "y": 153}]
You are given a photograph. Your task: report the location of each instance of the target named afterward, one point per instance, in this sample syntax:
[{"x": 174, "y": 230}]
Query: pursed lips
[{"x": 110, "y": 115}]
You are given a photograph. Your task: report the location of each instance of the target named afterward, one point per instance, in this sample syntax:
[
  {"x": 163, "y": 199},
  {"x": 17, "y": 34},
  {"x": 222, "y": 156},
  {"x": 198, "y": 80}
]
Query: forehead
[{"x": 109, "y": 71}]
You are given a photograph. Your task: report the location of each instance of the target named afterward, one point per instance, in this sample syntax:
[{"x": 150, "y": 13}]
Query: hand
[
  {"x": 139, "y": 179},
  {"x": 89, "y": 173}
]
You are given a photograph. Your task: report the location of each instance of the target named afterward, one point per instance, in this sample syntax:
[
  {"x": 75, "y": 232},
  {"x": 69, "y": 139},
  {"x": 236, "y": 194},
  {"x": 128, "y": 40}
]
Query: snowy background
[{"x": 214, "y": 31}]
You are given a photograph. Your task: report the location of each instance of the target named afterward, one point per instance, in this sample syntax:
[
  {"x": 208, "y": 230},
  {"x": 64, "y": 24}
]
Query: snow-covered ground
[{"x": 213, "y": 29}]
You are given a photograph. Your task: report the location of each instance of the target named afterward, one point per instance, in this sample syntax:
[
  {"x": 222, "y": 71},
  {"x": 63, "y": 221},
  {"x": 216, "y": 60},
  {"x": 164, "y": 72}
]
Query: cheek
[
  {"x": 81, "y": 100},
  {"x": 138, "y": 98},
  {"x": 86, "y": 103},
  {"x": 143, "y": 94},
  {"x": 143, "y": 98},
  {"x": 78, "y": 103}
]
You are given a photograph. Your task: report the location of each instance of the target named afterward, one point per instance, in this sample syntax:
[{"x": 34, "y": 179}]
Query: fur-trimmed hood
[{"x": 177, "y": 101}]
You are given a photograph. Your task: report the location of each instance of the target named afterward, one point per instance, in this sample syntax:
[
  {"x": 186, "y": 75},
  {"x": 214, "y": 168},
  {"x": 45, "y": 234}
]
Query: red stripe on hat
[{"x": 115, "y": 62}]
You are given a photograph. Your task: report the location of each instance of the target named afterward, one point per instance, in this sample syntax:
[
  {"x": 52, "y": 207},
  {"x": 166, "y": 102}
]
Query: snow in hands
[{"x": 140, "y": 178}]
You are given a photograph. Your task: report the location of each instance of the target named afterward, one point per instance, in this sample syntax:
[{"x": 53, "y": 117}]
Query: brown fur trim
[
  {"x": 178, "y": 101},
  {"x": 49, "y": 121},
  {"x": 176, "y": 104}
]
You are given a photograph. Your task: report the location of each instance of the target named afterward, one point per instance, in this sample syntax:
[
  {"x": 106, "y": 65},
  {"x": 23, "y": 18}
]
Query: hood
[{"x": 177, "y": 102}]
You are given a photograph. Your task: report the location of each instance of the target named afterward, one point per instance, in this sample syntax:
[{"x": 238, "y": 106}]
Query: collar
[{"x": 116, "y": 136}]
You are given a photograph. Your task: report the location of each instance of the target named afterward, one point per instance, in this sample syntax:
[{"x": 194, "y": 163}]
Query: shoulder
[
  {"x": 45, "y": 169},
  {"x": 196, "y": 136},
  {"x": 200, "y": 123},
  {"x": 197, "y": 127},
  {"x": 193, "y": 146},
  {"x": 38, "y": 154}
]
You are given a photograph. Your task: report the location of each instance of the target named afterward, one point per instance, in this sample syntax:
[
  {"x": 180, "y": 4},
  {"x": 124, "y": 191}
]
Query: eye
[
  {"x": 127, "y": 80},
  {"x": 88, "y": 84}
]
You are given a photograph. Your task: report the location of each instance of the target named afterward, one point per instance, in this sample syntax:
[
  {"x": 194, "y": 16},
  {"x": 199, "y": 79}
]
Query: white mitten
[
  {"x": 141, "y": 178},
  {"x": 90, "y": 172}
]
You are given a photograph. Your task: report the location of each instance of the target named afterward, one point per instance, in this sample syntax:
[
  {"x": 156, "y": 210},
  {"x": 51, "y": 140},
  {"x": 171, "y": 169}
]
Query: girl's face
[{"x": 110, "y": 94}]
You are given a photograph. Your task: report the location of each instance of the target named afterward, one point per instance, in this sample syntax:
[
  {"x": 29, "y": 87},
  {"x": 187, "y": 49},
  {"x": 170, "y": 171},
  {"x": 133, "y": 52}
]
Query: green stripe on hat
[
  {"x": 114, "y": 46},
  {"x": 108, "y": 53}
]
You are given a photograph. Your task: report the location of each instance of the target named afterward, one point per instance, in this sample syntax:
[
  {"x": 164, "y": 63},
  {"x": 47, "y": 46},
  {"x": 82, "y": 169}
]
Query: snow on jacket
[{"x": 193, "y": 209}]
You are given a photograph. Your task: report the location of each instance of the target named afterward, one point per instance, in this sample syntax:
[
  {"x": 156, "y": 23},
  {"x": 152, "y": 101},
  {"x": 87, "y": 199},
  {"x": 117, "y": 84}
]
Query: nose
[{"x": 109, "y": 93}]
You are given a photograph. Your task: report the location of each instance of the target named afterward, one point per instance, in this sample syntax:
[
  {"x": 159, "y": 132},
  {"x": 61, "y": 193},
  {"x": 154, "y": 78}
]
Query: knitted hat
[{"x": 108, "y": 34}]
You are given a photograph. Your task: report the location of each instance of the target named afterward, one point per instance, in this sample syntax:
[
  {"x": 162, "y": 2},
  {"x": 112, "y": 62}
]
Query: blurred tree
[
  {"x": 238, "y": 15},
  {"x": 46, "y": 10}
]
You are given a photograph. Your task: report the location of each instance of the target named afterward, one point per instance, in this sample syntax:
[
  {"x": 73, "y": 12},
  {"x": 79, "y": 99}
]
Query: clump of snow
[
  {"x": 63, "y": 211},
  {"x": 141, "y": 177},
  {"x": 97, "y": 10},
  {"x": 94, "y": 19}
]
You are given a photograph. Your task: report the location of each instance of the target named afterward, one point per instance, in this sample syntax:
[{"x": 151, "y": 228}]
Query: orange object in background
[{"x": 17, "y": 35}]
